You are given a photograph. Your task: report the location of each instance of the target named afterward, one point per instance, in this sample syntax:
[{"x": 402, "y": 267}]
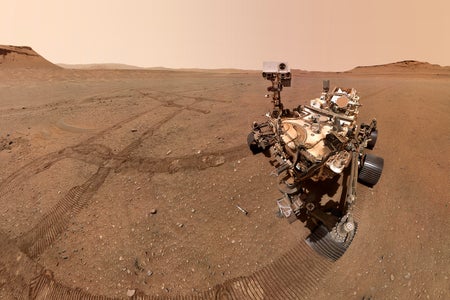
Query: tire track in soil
[
  {"x": 33, "y": 168},
  {"x": 294, "y": 275},
  {"x": 197, "y": 99},
  {"x": 149, "y": 132},
  {"x": 189, "y": 162},
  {"x": 273, "y": 281},
  {"x": 117, "y": 125},
  {"x": 16, "y": 270},
  {"x": 44, "y": 162},
  {"x": 54, "y": 222}
]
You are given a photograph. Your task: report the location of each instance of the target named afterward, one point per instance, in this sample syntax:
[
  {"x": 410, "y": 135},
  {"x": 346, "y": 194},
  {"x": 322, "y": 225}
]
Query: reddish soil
[{"x": 114, "y": 181}]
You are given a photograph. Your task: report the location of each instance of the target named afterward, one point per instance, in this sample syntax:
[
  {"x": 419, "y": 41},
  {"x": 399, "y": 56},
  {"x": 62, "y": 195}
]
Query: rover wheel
[
  {"x": 370, "y": 169},
  {"x": 252, "y": 144},
  {"x": 324, "y": 243},
  {"x": 373, "y": 139}
]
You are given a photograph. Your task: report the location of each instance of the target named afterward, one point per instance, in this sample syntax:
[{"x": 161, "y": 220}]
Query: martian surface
[{"x": 124, "y": 184}]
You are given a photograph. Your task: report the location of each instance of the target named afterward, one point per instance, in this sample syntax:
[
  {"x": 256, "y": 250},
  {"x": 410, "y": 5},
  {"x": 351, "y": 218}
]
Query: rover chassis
[{"x": 319, "y": 153}]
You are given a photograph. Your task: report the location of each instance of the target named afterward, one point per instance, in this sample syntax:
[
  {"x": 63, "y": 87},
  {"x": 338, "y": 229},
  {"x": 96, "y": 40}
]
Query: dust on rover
[{"x": 313, "y": 147}]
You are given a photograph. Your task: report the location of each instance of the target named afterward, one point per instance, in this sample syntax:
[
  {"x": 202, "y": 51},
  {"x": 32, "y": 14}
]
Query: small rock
[
  {"x": 174, "y": 166},
  {"x": 130, "y": 293},
  {"x": 213, "y": 160},
  {"x": 192, "y": 210},
  {"x": 149, "y": 273},
  {"x": 133, "y": 130},
  {"x": 168, "y": 152},
  {"x": 408, "y": 275},
  {"x": 120, "y": 258},
  {"x": 180, "y": 225},
  {"x": 153, "y": 211},
  {"x": 392, "y": 277}
]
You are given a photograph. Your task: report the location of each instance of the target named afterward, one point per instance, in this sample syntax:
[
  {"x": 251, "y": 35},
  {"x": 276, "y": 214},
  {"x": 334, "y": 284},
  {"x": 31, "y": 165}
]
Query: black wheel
[
  {"x": 252, "y": 144},
  {"x": 373, "y": 139},
  {"x": 370, "y": 169}
]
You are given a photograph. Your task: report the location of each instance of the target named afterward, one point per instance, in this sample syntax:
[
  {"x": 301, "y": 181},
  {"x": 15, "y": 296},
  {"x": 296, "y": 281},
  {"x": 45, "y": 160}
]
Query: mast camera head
[{"x": 277, "y": 71}]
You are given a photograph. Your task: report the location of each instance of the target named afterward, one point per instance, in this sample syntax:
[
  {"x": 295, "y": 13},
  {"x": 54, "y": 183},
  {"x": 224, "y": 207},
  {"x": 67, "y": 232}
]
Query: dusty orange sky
[{"x": 309, "y": 34}]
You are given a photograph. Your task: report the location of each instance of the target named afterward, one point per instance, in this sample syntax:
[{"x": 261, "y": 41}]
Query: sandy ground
[{"x": 119, "y": 180}]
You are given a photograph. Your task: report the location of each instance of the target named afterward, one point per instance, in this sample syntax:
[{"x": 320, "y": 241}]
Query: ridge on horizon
[
  {"x": 26, "y": 57},
  {"x": 23, "y": 57}
]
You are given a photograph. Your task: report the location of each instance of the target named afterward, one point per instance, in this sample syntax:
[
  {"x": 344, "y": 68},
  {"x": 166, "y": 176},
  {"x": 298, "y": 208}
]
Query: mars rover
[{"x": 313, "y": 147}]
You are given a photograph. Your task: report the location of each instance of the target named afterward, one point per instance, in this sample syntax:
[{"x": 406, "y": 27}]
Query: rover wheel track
[
  {"x": 294, "y": 275},
  {"x": 35, "y": 241}
]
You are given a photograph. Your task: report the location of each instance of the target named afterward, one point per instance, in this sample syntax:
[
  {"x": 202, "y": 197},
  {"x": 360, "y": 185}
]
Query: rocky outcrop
[{"x": 22, "y": 57}]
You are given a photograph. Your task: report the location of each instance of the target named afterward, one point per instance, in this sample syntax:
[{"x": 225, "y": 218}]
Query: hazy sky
[{"x": 309, "y": 34}]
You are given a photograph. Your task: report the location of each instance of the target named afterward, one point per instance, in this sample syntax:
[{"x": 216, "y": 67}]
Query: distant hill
[
  {"x": 110, "y": 66},
  {"x": 26, "y": 57},
  {"x": 405, "y": 66},
  {"x": 113, "y": 66},
  {"x": 22, "y": 57}
]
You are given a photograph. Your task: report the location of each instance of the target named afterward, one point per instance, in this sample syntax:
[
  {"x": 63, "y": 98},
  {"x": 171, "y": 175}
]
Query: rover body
[{"x": 312, "y": 146}]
